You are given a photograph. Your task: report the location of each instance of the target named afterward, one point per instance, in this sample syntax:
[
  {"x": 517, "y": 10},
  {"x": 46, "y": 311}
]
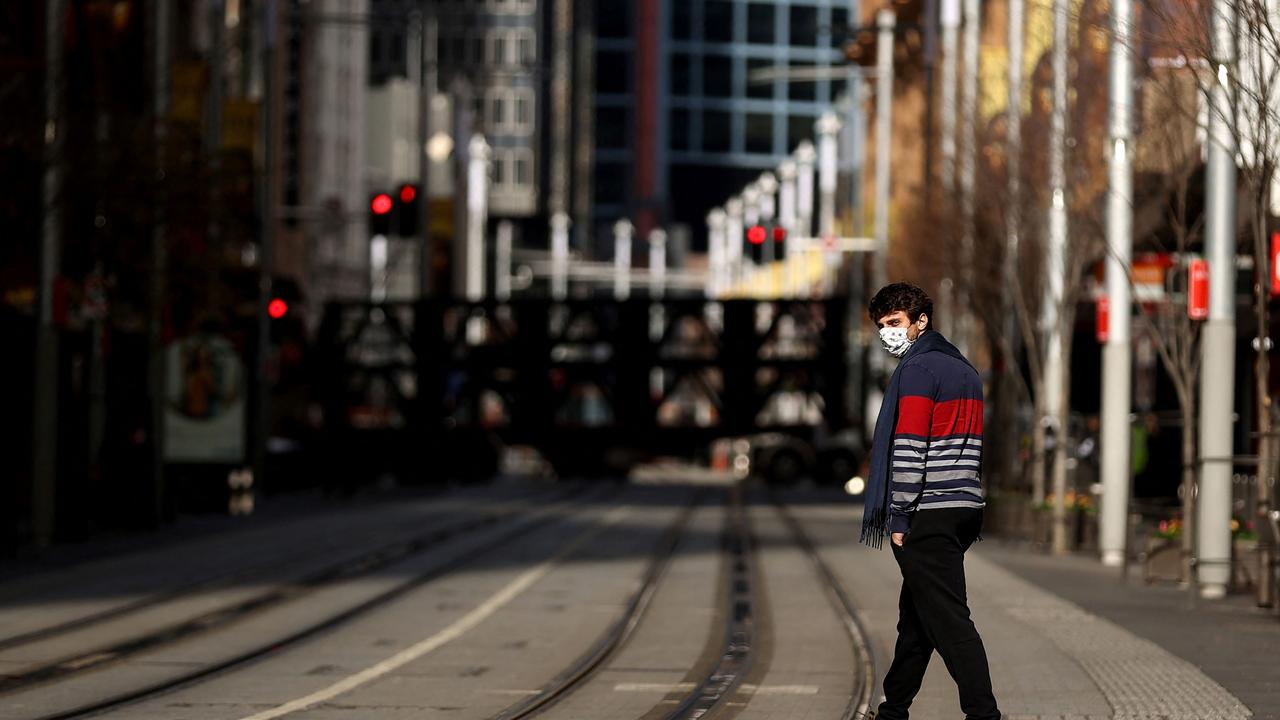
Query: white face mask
[{"x": 895, "y": 340}]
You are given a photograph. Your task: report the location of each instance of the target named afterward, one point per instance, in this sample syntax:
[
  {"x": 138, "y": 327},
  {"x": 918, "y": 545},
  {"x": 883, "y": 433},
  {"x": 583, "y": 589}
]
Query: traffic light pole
[
  {"x": 45, "y": 419},
  {"x": 1218, "y": 343},
  {"x": 427, "y": 81},
  {"x": 266, "y": 240},
  {"x": 1117, "y": 354},
  {"x": 159, "y": 262}
]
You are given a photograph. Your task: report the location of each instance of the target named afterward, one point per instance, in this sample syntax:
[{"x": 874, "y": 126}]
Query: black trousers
[{"x": 933, "y": 614}]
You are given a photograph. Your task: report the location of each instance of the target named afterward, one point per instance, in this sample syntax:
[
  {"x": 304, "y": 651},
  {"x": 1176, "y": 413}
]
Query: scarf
[{"x": 875, "y": 514}]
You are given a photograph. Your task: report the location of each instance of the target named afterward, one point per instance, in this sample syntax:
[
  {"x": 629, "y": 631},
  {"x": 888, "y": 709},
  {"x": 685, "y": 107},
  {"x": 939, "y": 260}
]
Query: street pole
[
  {"x": 657, "y": 263},
  {"x": 1055, "y": 370},
  {"x": 479, "y": 158},
  {"x": 502, "y": 261},
  {"x": 733, "y": 233},
  {"x": 806, "y": 157},
  {"x": 159, "y": 262},
  {"x": 787, "y": 216},
  {"x": 1116, "y": 355},
  {"x": 623, "y": 231},
  {"x": 1217, "y": 366},
  {"x": 560, "y": 256},
  {"x": 828, "y": 132},
  {"x": 45, "y": 418},
  {"x": 716, "y": 280},
  {"x": 768, "y": 185},
  {"x": 964, "y": 320},
  {"x": 266, "y": 240},
  {"x": 885, "y": 21},
  {"x": 427, "y": 82},
  {"x": 950, "y": 21}
]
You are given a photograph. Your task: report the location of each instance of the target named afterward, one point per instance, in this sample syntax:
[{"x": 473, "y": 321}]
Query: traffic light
[
  {"x": 380, "y": 207},
  {"x": 407, "y": 210},
  {"x": 779, "y": 234},
  {"x": 277, "y": 308},
  {"x": 756, "y": 235}
]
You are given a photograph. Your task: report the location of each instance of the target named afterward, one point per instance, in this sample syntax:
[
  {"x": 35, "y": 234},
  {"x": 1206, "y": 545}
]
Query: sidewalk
[
  {"x": 1231, "y": 641},
  {"x": 1067, "y": 640}
]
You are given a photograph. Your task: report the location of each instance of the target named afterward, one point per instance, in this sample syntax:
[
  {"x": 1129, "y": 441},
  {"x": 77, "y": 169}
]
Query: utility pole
[
  {"x": 716, "y": 280},
  {"x": 950, "y": 20},
  {"x": 1117, "y": 354},
  {"x": 157, "y": 370},
  {"x": 584, "y": 132},
  {"x": 428, "y": 77},
  {"x": 733, "y": 232},
  {"x": 1217, "y": 366},
  {"x": 561, "y": 100},
  {"x": 560, "y": 256},
  {"x": 657, "y": 264},
  {"x": 479, "y": 158},
  {"x": 623, "y": 231},
  {"x": 968, "y": 161},
  {"x": 502, "y": 260},
  {"x": 45, "y": 418},
  {"x": 885, "y": 22},
  {"x": 805, "y": 156},
  {"x": 1055, "y": 371},
  {"x": 266, "y": 240}
]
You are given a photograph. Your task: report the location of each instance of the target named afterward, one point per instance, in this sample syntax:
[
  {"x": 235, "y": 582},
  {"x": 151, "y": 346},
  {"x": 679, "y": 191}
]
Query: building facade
[{"x": 695, "y": 98}]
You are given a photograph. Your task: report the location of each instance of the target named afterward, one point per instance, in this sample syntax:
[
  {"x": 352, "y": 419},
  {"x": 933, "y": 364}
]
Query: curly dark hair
[{"x": 901, "y": 296}]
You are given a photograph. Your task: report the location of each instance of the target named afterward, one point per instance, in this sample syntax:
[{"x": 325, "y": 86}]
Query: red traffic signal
[
  {"x": 1198, "y": 289},
  {"x": 381, "y": 204},
  {"x": 779, "y": 234},
  {"x": 277, "y": 308},
  {"x": 756, "y": 235},
  {"x": 408, "y": 193},
  {"x": 1275, "y": 264},
  {"x": 1102, "y": 321}
]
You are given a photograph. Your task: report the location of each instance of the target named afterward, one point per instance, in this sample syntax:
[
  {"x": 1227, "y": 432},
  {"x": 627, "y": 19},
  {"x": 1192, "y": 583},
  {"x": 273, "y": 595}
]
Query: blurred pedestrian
[{"x": 925, "y": 492}]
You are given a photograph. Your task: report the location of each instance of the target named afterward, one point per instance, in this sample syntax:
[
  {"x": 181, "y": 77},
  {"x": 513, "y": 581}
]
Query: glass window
[
  {"x": 524, "y": 171},
  {"x": 499, "y": 169},
  {"x": 524, "y": 110},
  {"x": 458, "y": 52},
  {"x": 611, "y": 183},
  {"x": 682, "y": 20},
  {"x": 680, "y": 81},
  {"x": 611, "y": 127},
  {"x": 499, "y": 56},
  {"x": 759, "y": 133},
  {"x": 716, "y": 131},
  {"x": 613, "y": 72},
  {"x": 839, "y": 24},
  {"x": 758, "y": 88},
  {"x": 528, "y": 51},
  {"x": 804, "y": 25},
  {"x": 760, "y": 23},
  {"x": 799, "y": 128},
  {"x": 497, "y": 110},
  {"x": 802, "y": 89},
  {"x": 477, "y": 50},
  {"x": 717, "y": 76},
  {"x": 613, "y": 18},
  {"x": 679, "y": 129},
  {"x": 718, "y": 21}
]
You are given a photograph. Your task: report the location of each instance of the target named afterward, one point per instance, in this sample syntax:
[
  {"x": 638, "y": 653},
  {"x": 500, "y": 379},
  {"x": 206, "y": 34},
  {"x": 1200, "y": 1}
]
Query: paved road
[{"x": 671, "y": 599}]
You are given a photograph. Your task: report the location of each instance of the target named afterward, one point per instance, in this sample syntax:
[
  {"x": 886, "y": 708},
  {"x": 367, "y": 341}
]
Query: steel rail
[
  {"x": 616, "y": 637},
  {"x": 536, "y": 520}
]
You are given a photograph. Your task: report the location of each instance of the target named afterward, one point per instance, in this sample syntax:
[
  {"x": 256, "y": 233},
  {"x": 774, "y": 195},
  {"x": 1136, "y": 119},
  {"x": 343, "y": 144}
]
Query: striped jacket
[{"x": 937, "y": 439}]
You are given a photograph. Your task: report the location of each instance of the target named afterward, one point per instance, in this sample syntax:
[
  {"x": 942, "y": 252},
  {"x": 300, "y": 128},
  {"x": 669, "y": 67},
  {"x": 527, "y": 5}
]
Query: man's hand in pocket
[{"x": 898, "y": 538}]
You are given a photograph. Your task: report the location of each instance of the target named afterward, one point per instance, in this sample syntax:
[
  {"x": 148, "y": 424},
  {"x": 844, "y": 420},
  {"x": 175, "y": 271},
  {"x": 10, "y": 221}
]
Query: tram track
[
  {"x": 864, "y": 675},
  {"x": 531, "y": 522},
  {"x": 95, "y": 656},
  {"x": 616, "y": 637}
]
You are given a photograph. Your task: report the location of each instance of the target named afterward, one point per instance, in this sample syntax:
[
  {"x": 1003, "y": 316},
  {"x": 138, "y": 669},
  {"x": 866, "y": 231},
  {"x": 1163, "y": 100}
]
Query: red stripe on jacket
[{"x": 915, "y": 415}]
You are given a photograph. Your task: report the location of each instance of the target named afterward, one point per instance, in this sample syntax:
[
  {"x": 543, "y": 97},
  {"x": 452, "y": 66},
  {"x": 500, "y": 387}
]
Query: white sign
[{"x": 204, "y": 417}]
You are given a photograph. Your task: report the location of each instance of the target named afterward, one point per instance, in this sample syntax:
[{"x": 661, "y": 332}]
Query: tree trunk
[{"x": 1060, "y": 546}]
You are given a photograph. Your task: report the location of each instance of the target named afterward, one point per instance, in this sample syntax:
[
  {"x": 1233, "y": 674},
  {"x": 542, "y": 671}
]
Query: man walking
[{"x": 925, "y": 492}]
